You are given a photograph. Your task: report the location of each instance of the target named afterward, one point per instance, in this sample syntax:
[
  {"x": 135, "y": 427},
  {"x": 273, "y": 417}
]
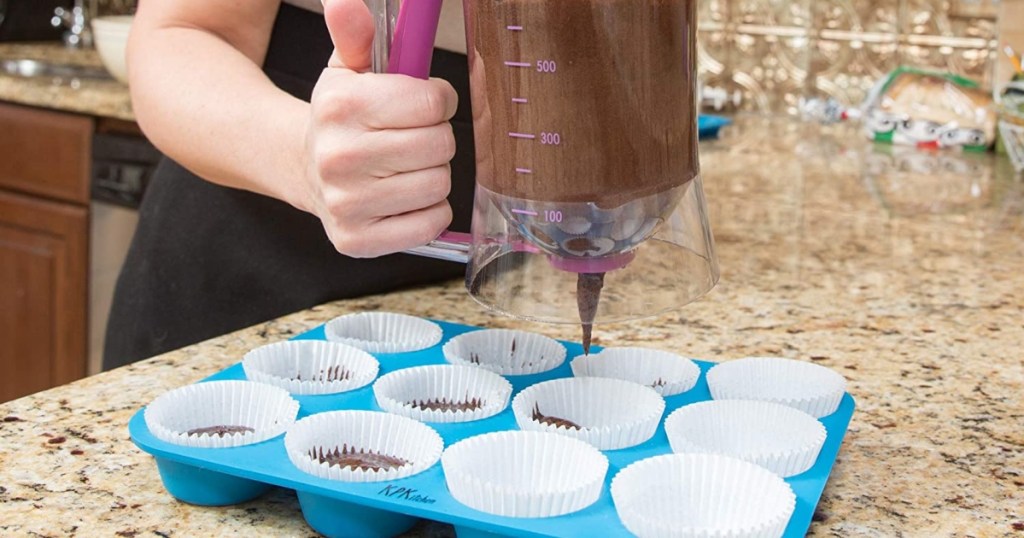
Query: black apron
[{"x": 207, "y": 260}]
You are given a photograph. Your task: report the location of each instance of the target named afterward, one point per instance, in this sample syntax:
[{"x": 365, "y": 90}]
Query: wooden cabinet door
[
  {"x": 43, "y": 294},
  {"x": 45, "y": 153}
]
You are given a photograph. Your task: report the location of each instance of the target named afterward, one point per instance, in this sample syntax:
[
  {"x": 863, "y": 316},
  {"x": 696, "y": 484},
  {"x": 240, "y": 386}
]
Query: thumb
[{"x": 351, "y": 28}]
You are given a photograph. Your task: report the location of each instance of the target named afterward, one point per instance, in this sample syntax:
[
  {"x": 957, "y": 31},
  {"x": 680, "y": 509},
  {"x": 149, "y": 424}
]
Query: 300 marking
[{"x": 551, "y": 139}]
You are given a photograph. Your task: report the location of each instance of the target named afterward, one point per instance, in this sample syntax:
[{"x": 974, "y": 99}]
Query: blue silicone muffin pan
[
  {"x": 708, "y": 125},
  {"x": 223, "y": 476}
]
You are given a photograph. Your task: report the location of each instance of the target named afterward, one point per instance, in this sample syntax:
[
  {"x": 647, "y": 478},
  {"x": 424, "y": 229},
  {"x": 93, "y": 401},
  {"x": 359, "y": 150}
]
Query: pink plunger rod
[{"x": 413, "y": 45}]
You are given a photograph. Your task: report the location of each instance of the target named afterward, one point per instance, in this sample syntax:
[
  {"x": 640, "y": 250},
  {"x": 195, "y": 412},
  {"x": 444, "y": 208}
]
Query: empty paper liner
[
  {"x": 784, "y": 440},
  {"x": 524, "y": 474},
  {"x": 443, "y": 393},
  {"x": 310, "y": 366},
  {"x": 221, "y": 414},
  {"x": 667, "y": 373},
  {"x": 607, "y": 413},
  {"x": 701, "y": 496},
  {"x": 362, "y": 446},
  {"x": 505, "y": 351},
  {"x": 813, "y": 389},
  {"x": 383, "y": 332}
]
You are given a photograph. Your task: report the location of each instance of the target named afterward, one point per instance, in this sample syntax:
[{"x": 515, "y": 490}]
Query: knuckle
[
  {"x": 438, "y": 220},
  {"x": 322, "y": 161},
  {"x": 446, "y": 142},
  {"x": 354, "y": 245},
  {"x": 333, "y": 161},
  {"x": 450, "y": 99},
  {"x": 338, "y": 203},
  {"x": 434, "y": 102},
  {"x": 437, "y": 184},
  {"x": 335, "y": 103}
]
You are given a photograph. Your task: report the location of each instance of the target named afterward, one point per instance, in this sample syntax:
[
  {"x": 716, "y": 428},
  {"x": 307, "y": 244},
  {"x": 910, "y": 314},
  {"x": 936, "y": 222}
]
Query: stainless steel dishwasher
[{"x": 121, "y": 168}]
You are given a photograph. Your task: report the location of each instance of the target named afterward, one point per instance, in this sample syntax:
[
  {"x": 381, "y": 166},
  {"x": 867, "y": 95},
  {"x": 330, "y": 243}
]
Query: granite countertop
[
  {"x": 902, "y": 270},
  {"x": 101, "y": 98}
]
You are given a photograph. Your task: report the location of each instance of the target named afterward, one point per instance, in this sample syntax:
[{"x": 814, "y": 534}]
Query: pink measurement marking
[
  {"x": 519, "y": 100},
  {"x": 523, "y": 171},
  {"x": 522, "y": 135},
  {"x": 519, "y": 64},
  {"x": 515, "y": 28},
  {"x": 525, "y": 212}
]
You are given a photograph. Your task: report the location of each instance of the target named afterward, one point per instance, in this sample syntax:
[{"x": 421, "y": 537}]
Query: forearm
[
  {"x": 208, "y": 105},
  {"x": 369, "y": 157}
]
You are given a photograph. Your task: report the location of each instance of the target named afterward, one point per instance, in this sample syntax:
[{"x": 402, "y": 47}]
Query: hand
[{"x": 378, "y": 146}]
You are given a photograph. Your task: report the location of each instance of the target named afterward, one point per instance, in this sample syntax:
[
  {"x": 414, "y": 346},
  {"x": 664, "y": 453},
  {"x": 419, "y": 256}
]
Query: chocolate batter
[
  {"x": 334, "y": 373},
  {"x": 444, "y": 404},
  {"x": 553, "y": 421},
  {"x": 588, "y": 293},
  {"x": 220, "y": 431},
  {"x": 361, "y": 459},
  {"x": 613, "y": 79}
]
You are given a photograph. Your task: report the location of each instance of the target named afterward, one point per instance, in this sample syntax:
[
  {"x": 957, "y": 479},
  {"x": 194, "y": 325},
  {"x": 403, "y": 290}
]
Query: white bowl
[{"x": 110, "y": 35}]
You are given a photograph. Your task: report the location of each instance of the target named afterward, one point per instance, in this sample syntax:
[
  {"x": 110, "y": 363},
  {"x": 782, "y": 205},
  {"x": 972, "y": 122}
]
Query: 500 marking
[{"x": 546, "y": 66}]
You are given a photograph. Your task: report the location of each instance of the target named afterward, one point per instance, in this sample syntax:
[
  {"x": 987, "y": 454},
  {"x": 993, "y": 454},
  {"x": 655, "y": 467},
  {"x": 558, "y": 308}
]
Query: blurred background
[{"x": 775, "y": 51}]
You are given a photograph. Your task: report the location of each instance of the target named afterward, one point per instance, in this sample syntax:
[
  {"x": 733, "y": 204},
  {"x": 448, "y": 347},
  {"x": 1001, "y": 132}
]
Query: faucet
[{"x": 76, "y": 20}]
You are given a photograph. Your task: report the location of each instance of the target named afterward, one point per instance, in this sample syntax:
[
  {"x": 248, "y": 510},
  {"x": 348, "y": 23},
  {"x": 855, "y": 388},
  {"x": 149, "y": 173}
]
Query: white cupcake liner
[
  {"x": 701, "y": 496},
  {"x": 610, "y": 413},
  {"x": 268, "y": 410},
  {"x": 811, "y": 388},
  {"x": 383, "y": 332},
  {"x": 505, "y": 351},
  {"x": 307, "y": 366},
  {"x": 784, "y": 440},
  {"x": 398, "y": 392},
  {"x": 366, "y": 431},
  {"x": 667, "y": 373},
  {"x": 524, "y": 474}
]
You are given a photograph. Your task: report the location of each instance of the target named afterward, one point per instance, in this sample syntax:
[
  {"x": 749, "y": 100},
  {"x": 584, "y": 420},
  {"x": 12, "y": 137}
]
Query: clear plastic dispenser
[{"x": 589, "y": 205}]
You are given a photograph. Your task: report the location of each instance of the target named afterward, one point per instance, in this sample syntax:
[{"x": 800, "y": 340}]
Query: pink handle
[
  {"x": 413, "y": 45},
  {"x": 411, "y": 51}
]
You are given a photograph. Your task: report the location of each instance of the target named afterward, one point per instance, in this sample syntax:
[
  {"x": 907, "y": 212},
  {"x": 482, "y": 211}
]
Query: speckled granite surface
[
  {"x": 903, "y": 271},
  {"x": 102, "y": 98}
]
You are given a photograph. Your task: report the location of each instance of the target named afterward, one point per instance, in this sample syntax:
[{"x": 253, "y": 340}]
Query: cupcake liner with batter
[
  {"x": 245, "y": 413},
  {"x": 667, "y": 373},
  {"x": 412, "y": 446},
  {"x": 607, "y": 413},
  {"x": 505, "y": 351},
  {"x": 443, "y": 393},
  {"x": 311, "y": 366}
]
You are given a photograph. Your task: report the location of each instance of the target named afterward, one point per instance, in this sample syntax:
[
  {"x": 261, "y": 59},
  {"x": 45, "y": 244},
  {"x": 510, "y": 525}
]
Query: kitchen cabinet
[{"x": 44, "y": 248}]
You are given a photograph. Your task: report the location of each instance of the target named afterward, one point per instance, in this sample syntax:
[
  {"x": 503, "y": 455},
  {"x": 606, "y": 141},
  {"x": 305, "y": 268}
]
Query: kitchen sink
[{"x": 30, "y": 68}]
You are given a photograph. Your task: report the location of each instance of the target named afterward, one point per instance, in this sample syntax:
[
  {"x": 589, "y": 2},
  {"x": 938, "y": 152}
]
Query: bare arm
[
  {"x": 200, "y": 96},
  {"x": 369, "y": 156}
]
